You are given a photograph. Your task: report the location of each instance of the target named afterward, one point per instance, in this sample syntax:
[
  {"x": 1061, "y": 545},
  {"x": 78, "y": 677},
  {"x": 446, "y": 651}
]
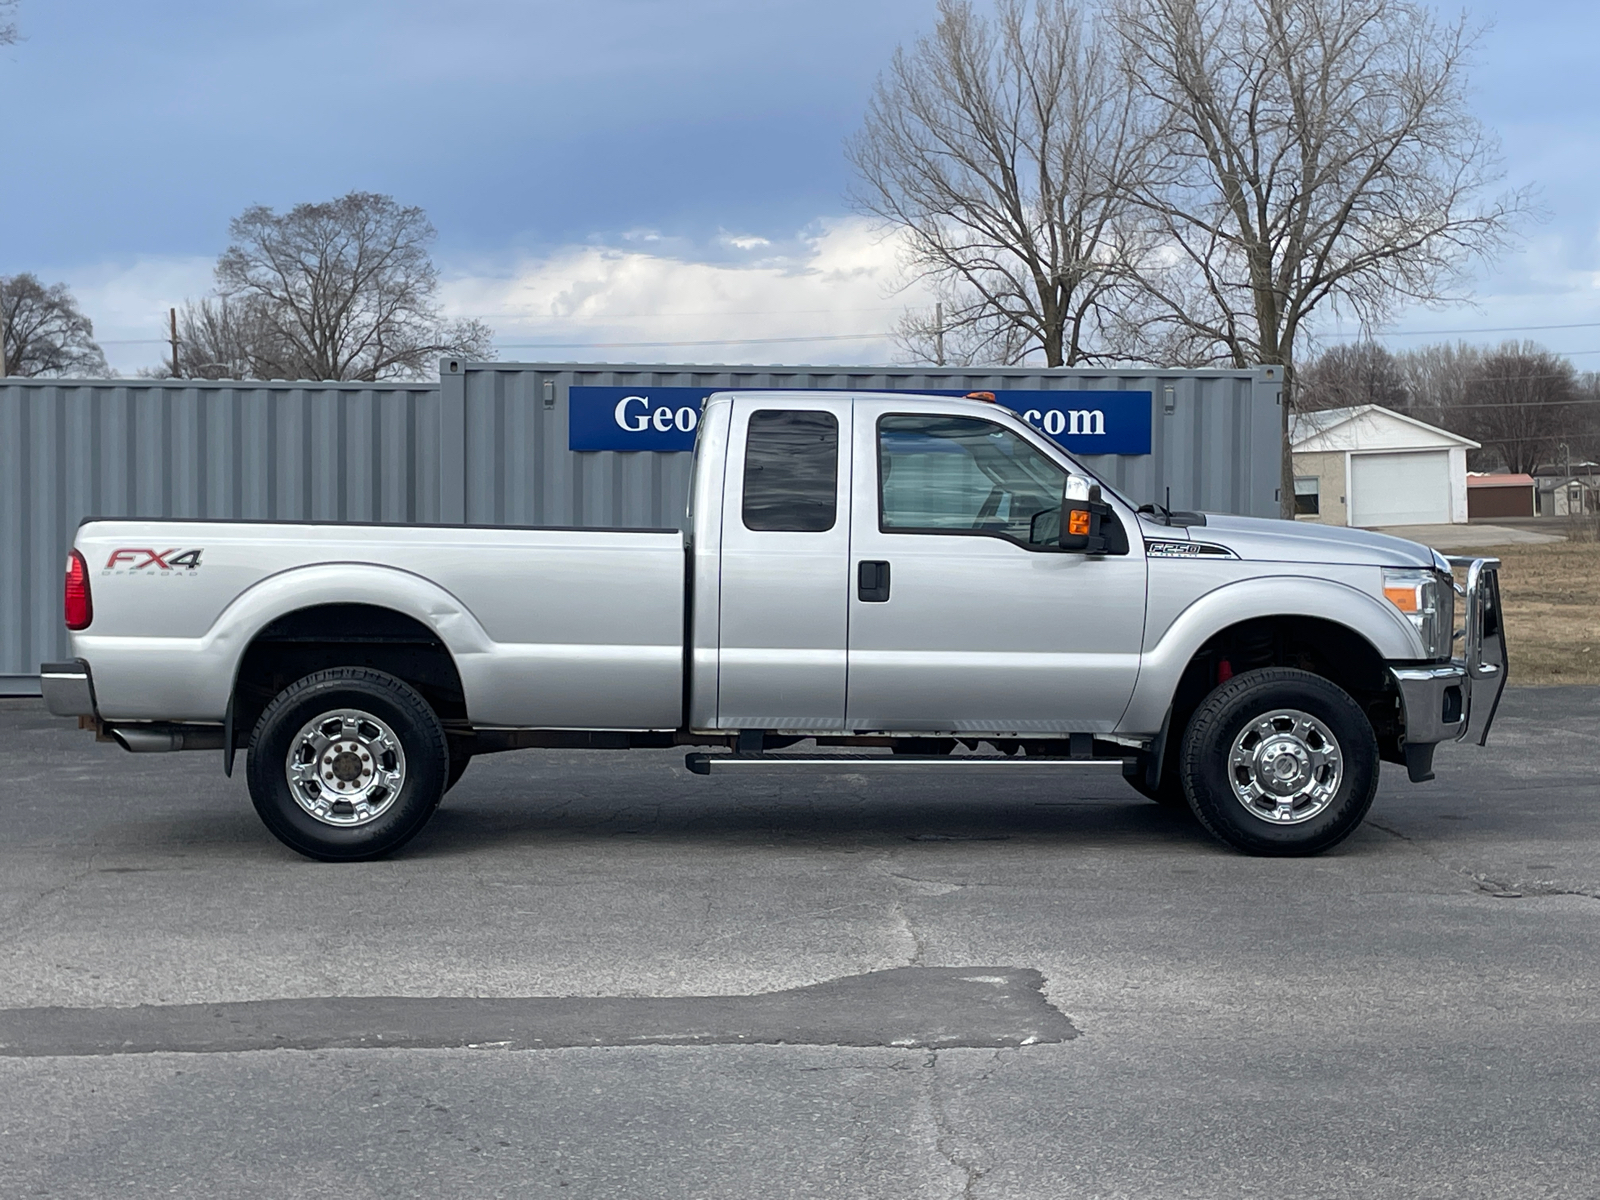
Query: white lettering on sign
[
  {"x": 625, "y": 421},
  {"x": 1089, "y": 422},
  {"x": 661, "y": 419}
]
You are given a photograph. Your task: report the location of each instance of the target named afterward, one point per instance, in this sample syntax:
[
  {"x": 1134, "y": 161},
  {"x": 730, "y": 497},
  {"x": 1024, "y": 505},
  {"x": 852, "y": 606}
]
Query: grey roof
[{"x": 1309, "y": 424}]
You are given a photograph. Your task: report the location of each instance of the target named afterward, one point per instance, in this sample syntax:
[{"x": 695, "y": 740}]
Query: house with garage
[{"x": 1371, "y": 466}]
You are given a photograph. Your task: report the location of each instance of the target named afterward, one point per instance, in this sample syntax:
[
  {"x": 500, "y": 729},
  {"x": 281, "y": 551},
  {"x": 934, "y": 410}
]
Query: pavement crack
[
  {"x": 1391, "y": 832},
  {"x": 19, "y": 916},
  {"x": 1517, "y": 890},
  {"x": 908, "y": 930},
  {"x": 949, "y": 1145},
  {"x": 1502, "y": 888}
]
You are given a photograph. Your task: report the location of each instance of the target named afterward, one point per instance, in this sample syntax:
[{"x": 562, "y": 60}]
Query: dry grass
[{"x": 1552, "y": 602}]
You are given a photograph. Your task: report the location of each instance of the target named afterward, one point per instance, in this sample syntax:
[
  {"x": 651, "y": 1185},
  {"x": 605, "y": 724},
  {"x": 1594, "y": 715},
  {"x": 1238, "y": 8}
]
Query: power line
[
  {"x": 827, "y": 337},
  {"x": 821, "y": 337},
  {"x": 1486, "y": 329},
  {"x": 720, "y": 312}
]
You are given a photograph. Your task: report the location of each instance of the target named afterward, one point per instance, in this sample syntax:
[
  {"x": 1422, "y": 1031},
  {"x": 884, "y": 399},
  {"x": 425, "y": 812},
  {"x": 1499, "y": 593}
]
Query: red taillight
[{"x": 80, "y": 609}]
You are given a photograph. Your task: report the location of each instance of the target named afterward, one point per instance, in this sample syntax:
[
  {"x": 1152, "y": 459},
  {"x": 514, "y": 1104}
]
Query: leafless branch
[
  {"x": 1002, "y": 149},
  {"x": 339, "y": 290},
  {"x": 1311, "y": 153},
  {"x": 44, "y": 331}
]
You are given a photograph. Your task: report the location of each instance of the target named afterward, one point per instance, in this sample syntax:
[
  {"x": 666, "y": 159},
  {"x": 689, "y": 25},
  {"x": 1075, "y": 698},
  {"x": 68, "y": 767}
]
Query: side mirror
[{"x": 1082, "y": 513}]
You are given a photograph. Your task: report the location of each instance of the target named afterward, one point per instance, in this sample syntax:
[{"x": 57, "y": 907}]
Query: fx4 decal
[{"x": 138, "y": 559}]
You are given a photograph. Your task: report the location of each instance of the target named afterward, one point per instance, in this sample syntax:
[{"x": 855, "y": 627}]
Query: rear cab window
[{"x": 791, "y": 471}]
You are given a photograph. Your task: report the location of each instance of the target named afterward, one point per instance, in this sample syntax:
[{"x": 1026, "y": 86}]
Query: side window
[
  {"x": 964, "y": 475},
  {"x": 791, "y": 471}
]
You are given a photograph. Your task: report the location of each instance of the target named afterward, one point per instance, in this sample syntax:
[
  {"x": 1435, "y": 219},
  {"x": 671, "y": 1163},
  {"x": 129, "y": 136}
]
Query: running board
[{"x": 705, "y": 764}]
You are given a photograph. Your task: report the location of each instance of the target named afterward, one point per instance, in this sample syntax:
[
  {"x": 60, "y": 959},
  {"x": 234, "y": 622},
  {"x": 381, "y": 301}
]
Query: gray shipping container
[{"x": 486, "y": 445}]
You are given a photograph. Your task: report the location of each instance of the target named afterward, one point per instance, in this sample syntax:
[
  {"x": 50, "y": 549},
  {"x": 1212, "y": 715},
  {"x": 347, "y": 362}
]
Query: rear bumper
[{"x": 68, "y": 688}]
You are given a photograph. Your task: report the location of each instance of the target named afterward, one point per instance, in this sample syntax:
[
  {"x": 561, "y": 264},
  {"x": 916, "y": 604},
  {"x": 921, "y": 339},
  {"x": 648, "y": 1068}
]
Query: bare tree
[
  {"x": 1583, "y": 439},
  {"x": 220, "y": 338},
  {"x": 1436, "y": 379},
  {"x": 8, "y": 27},
  {"x": 1358, "y": 373},
  {"x": 1313, "y": 152},
  {"x": 1001, "y": 150},
  {"x": 1521, "y": 403},
  {"x": 341, "y": 290},
  {"x": 43, "y": 332}
]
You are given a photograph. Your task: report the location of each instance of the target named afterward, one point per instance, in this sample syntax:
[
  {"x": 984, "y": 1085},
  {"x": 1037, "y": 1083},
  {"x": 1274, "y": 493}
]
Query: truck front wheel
[
  {"x": 1279, "y": 762},
  {"x": 347, "y": 764}
]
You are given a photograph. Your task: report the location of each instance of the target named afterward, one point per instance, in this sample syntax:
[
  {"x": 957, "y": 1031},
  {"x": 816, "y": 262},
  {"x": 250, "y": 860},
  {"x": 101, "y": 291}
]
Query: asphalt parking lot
[{"x": 599, "y": 975}]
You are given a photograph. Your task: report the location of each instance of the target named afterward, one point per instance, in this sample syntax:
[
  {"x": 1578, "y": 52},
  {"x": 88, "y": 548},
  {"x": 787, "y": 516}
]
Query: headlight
[{"x": 1428, "y": 600}]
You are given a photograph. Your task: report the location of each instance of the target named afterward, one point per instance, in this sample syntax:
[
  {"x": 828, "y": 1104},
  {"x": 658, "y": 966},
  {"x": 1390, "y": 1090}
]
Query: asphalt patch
[{"x": 911, "y": 1007}]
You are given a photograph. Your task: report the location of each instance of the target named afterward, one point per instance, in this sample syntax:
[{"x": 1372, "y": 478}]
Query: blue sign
[
  {"x": 665, "y": 418},
  {"x": 1087, "y": 422}
]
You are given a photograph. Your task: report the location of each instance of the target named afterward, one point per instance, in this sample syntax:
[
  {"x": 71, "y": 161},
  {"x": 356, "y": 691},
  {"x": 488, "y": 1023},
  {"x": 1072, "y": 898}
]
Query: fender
[
  {"x": 1262, "y": 596},
  {"x": 193, "y": 678}
]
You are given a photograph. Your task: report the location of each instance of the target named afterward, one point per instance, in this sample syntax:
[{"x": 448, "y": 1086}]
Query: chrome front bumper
[{"x": 1447, "y": 701}]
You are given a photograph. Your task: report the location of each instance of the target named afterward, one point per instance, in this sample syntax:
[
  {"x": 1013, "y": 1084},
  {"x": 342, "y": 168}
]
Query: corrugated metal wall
[
  {"x": 153, "y": 448},
  {"x": 1215, "y": 435},
  {"x": 487, "y": 445}
]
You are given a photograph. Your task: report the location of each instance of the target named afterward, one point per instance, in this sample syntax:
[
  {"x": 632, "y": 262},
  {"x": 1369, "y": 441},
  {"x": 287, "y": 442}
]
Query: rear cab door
[{"x": 784, "y": 564}]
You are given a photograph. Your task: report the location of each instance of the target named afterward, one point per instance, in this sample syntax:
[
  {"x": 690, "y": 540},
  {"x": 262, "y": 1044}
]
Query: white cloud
[
  {"x": 832, "y": 285},
  {"x": 835, "y": 283},
  {"x": 128, "y": 302},
  {"x": 1553, "y": 281}
]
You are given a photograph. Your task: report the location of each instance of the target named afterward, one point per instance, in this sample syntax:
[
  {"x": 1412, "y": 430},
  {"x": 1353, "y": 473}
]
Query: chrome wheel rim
[
  {"x": 1285, "y": 767},
  {"x": 345, "y": 767}
]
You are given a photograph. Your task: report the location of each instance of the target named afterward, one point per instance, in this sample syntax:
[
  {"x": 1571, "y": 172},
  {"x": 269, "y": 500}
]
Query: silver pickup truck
[{"x": 867, "y": 582}]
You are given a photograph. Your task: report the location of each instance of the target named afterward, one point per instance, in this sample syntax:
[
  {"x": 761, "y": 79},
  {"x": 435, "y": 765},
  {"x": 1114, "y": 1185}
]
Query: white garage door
[{"x": 1400, "y": 489}]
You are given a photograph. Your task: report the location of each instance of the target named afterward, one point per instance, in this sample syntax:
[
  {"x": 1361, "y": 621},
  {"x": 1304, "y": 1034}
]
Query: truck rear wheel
[
  {"x": 347, "y": 764},
  {"x": 1280, "y": 762}
]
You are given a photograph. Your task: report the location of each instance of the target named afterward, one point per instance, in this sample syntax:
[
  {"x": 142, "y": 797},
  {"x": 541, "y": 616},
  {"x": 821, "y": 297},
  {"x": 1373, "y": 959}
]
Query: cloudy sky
[{"x": 612, "y": 171}]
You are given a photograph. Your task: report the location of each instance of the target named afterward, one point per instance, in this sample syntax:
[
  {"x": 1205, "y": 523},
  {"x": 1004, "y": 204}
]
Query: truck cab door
[
  {"x": 964, "y": 616},
  {"x": 784, "y": 563}
]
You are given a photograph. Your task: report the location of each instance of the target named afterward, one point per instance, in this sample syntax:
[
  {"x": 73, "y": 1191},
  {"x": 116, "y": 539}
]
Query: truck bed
[{"x": 550, "y": 628}]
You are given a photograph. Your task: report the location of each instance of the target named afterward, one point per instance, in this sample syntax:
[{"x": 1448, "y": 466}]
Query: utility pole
[
  {"x": 938, "y": 333},
  {"x": 172, "y": 316},
  {"x": 5, "y": 368}
]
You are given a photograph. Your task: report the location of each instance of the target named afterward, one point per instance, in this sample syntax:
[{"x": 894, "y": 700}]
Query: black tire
[
  {"x": 1226, "y": 715},
  {"x": 398, "y": 815}
]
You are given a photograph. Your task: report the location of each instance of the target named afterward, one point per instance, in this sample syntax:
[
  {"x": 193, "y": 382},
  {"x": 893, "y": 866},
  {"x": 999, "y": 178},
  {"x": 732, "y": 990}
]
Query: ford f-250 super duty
[{"x": 899, "y": 581}]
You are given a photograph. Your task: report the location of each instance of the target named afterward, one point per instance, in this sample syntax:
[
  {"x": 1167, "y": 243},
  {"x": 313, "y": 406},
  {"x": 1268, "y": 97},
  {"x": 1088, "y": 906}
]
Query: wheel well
[
  {"x": 345, "y": 635},
  {"x": 1336, "y": 652}
]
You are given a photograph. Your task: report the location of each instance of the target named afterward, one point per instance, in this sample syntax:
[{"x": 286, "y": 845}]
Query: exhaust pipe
[{"x": 161, "y": 739}]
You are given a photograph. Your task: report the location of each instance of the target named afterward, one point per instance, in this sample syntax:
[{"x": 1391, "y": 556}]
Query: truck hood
[{"x": 1264, "y": 540}]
